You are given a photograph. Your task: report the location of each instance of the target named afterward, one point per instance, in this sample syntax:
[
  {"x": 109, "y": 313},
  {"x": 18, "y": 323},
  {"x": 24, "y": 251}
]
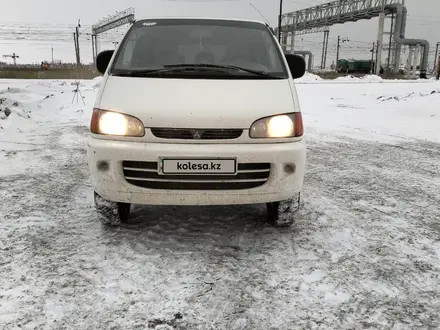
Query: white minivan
[{"x": 196, "y": 111}]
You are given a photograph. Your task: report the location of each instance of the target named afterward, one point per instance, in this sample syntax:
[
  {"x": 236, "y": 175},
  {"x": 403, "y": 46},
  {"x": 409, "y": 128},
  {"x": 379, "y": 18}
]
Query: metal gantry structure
[
  {"x": 120, "y": 18},
  {"x": 313, "y": 30},
  {"x": 319, "y": 18},
  {"x": 335, "y": 12}
]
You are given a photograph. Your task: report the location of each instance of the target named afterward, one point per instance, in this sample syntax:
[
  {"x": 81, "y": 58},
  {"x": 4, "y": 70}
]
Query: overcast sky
[{"x": 423, "y": 21}]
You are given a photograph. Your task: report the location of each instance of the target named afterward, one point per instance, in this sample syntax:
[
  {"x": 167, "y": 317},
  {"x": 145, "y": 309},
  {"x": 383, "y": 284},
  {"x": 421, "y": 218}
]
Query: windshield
[{"x": 157, "y": 44}]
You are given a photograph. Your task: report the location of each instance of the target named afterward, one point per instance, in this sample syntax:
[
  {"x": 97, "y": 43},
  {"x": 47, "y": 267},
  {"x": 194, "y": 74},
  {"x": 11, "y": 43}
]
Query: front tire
[
  {"x": 111, "y": 213},
  {"x": 282, "y": 214}
]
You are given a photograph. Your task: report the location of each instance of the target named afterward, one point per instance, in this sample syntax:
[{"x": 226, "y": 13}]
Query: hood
[{"x": 197, "y": 103}]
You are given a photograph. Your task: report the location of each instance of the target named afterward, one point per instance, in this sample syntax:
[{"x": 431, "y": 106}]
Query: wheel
[
  {"x": 282, "y": 214},
  {"x": 111, "y": 213}
]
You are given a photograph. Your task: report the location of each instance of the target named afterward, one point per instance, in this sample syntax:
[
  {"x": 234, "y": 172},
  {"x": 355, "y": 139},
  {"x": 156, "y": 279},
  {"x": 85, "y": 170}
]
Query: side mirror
[
  {"x": 297, "y": 65},
  {"x": 103, "y": 59}
]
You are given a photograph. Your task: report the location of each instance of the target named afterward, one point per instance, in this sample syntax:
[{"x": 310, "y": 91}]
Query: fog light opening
[
  {"x": 103, "y": 166},
  {"x": 289, "y": 168}
]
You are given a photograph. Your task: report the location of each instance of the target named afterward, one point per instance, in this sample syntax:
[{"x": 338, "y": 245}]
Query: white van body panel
[{"x": 197, "y": 103}]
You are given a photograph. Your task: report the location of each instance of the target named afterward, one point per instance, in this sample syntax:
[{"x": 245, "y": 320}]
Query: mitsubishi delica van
[{"x": 197, "y": 112}]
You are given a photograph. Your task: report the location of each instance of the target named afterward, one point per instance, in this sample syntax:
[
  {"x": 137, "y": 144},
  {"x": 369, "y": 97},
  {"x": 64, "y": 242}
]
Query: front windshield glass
[{"x": 155, "y": 44}]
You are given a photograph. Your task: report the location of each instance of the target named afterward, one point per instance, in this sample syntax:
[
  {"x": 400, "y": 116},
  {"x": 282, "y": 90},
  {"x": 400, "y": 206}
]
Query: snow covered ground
[{"x": 364, "y": 253}]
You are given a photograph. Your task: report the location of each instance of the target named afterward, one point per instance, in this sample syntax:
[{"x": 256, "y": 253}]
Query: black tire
[
  {"x": 282, "y": 214},
  {"x": 111, "y": 213}
]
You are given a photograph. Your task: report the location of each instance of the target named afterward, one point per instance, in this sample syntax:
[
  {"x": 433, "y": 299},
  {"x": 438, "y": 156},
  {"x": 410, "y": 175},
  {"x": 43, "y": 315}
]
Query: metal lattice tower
[{"x": 392, "y": 45}]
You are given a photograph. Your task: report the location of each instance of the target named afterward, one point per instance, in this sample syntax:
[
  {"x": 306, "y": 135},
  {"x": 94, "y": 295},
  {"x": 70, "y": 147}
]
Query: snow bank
[
  {"x": 26, "y": 104},
  {"x": 12, "y": 90},
  {"x": 347, "y": 78},
  {"x": 372, "y": 78},
  {"x": 367, "y": 78},
  {"x": 373, "y": 111},
  {"x": 309, "y": 77},
  {"x": 12, "y": 113}
]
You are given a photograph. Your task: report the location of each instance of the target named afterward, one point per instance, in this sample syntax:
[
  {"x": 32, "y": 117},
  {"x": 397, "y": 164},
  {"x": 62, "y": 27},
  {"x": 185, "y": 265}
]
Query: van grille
[
  {"x": 196, "y": 134},
  {"x": 145, "y": 175}
]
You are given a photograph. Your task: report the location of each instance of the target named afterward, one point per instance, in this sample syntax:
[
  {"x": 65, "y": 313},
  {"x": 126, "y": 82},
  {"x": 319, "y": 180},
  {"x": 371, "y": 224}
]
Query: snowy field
[{"x": 364, "y": 253}]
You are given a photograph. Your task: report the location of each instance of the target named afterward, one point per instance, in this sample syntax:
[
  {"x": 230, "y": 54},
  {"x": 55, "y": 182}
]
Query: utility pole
[
  {"x": 390, "y": 43},
  {"x": 78, "y": 58},
  {"x": 76, "y": 47},
  {"x": 279, "y": 21},
  {"x": 52, "y": 54},
  {"x": 324, "y": 49},
  {"x": 380, "y": 42},
  {"x": 337, "y": 53},
  {"x": 338, "y": 50},
  {"x": 435, "y": 58},
  {"x": 292, "y": 42},
  {"x": 323, "y": 53},
  {"x": 409, "y": 64},
  {"x": 438, "y": 69},
  {"x": 326, "y": 33},
  {"x": 416, "y": 60},
  {"x": 93, "y": 49}
]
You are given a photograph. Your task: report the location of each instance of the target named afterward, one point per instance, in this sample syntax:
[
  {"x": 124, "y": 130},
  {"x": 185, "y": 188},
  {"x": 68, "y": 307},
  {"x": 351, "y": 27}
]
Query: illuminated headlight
[
  {"x": 115, "y": 123},
  {"x": 280, "y": 126}
]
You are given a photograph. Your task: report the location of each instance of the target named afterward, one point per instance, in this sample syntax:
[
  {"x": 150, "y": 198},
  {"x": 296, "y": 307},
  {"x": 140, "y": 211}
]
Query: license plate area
[{"x": 197, "y": 166}]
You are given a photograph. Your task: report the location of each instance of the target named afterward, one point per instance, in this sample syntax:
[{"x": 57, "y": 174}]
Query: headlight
[
  {"x": 279, "y": 126},
  {"x": 115, "y": 123}
]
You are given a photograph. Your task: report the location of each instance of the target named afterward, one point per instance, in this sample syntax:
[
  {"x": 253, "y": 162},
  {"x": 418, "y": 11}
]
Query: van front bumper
[{"x": 286, "y": 162}]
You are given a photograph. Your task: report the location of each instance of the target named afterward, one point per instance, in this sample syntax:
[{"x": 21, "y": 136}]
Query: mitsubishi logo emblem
[{"x": 197, "y": 134}]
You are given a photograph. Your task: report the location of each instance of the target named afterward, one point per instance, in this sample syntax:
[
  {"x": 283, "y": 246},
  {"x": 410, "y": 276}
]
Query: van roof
[{"x": 203, "y": 18}]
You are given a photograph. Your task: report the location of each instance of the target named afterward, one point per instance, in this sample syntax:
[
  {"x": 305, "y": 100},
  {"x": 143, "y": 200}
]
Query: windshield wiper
[
  {"x": 153, "y": 72},
  {"x": 172, "y": 68},
  {"x": 218, "y": 66},
  {"x": 135, "y": 73}
]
